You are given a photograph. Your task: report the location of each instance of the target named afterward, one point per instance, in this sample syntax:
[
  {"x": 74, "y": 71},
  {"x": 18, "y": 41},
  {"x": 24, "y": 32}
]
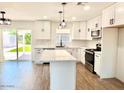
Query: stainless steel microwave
[{"x": 95, "y": 34}]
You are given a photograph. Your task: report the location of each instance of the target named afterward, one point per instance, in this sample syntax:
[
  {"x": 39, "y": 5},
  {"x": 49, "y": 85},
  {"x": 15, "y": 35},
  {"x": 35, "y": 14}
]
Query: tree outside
[
  {"x": 27, "y": 46},
  {"x": 28, "y": 38}
]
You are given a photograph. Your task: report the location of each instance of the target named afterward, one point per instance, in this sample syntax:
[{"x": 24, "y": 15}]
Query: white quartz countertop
[
  {"x": 56, "y": 55},
  {"x": 75, "y": 47},
  {"x": 37, "y": 47},
  {"x": 98, "y": 52}
]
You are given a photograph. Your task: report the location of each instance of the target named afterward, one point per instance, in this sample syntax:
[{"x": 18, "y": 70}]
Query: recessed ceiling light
[
  {"x": 86, "y": 7},
  {"x": 44, "y": 17},
  {"x": 73, "y": 18}
]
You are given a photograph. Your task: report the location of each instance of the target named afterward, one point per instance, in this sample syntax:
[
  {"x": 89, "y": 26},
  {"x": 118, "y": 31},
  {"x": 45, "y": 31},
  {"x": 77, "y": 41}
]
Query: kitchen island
[{"x": 62, "y": 69}]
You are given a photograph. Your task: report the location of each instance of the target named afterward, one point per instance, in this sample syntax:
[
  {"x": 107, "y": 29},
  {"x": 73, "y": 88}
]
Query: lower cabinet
[
  {"x": 83, "y": 55},
  {"x": 97, "y": 66},
  {"x": 78, "y": 53},
  {"x": 38, "y": 53},
  {"x": 73, "y": 52}
]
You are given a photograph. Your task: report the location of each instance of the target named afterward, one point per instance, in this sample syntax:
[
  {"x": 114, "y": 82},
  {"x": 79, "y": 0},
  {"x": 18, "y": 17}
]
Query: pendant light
[
  {"x": 4, "y": 21},
  {"x": 60, "y": 25},
  {"x": 63, "y": 20}
]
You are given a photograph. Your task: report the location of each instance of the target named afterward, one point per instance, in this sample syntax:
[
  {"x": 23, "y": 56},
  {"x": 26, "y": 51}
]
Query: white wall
[
  {"x": 120, "y": 63},
  {"x": 77, "y": 43},
  {"x": 19, "y": 25},
  {"x": 1, "y": 47},
  {"x": 92, "y": 43}
]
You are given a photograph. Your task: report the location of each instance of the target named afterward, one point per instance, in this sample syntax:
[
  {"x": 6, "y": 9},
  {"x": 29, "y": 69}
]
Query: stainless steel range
[{"x": 89, "y": 57}]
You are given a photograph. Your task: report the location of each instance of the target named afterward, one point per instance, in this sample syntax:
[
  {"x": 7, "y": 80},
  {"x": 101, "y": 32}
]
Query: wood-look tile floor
[{"x": 26, "y": 75}]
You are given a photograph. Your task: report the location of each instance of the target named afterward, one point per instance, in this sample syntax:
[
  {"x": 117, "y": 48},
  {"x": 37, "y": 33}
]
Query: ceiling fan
[
  {"x": 84, "y": 4},
  {"x": 3, "y": 20},
  {"x": 81, "y": 3}
]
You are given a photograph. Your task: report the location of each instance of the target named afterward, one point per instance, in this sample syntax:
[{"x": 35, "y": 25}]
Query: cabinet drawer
[{"x": 97, "y": 58}]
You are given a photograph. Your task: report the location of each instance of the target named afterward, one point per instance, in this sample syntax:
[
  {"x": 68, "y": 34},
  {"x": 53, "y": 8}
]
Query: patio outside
[{"x": 10, "y": 47}]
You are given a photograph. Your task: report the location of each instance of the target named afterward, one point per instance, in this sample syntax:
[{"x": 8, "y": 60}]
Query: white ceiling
[{"x": 36, "y": 11}]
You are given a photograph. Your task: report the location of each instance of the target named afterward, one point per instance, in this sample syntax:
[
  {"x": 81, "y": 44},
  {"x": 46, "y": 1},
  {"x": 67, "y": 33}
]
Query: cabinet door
[
  {"x": 97, "y": 63},
  {"x": 108, "y": 16},
  {"x": 97, "y": 23},
  {"x": 78, "y": 54},
  {"x": 69, "y": 50},
  {"x": 119, "y": 13},
  {"x": 38, "y": 26},
  {"x": 83, "y": 56},
  {"x": 79, "y": 31},
  {"x": 47, "y": 31},
  {"x": 42, "y": 30},
  {"x": 76, "y": 30},
  {"x": 82, "y": 30},
  {"x": 88, "y": 31},
  {"x": 38, "y": 53}
]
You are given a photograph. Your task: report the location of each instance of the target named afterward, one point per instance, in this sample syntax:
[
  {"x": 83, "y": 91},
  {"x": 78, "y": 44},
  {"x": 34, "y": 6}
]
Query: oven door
[{"x": 89, "y": 57}]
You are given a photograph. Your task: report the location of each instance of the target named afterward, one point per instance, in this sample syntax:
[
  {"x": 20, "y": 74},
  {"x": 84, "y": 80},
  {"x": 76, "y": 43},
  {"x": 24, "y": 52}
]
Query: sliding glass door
[
  {"x": 17, "y": 44},
  {"x": 9, "y": 44},
  {"x": 24, "y": 45}
]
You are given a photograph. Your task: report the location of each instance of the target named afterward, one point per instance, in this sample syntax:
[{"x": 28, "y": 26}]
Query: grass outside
[{"x": 20, "y": 49}]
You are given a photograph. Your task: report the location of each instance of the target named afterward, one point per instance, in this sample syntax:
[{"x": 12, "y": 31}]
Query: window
[{"x": 62, "y": 38}]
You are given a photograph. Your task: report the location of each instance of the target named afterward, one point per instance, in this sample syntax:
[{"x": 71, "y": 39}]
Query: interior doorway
[{"x": 17, "y": 45}]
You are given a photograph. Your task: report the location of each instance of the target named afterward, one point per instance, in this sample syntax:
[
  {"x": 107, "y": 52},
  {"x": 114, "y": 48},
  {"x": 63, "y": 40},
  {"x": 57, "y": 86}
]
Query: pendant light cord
[
  {"x": 60, "y": 12},
  {"x": 63, "y": 4},
  {"x": 63, "y": 12}
]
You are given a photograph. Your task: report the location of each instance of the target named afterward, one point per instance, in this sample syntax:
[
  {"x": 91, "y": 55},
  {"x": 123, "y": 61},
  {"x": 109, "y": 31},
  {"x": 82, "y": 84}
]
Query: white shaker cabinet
[
  {"x": 108, "y": 16},
  {"x": 113, "y": 16},
  {"x": 38, "y": 53},
  {"x": 78, "y": 53},
  {"x": 97, "y": 23},
  {"x": 82, "y": 55},
  {"x": 83, "y": 30},
  {"x": 73, "y": 52},
  {"x": 76, "y": 30},
  {"x": 79, "y": 31},
  {"x": 42, "y": 30},
  {"x": 119, "y": 13},
  {"x": 97, "y": 66},
  {"x": 92, "y": 25},
  {"x": 88, "y": 31}
]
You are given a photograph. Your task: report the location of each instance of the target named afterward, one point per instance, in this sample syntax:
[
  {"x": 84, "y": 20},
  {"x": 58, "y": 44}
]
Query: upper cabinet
[
  {"x": 97, "y": 23},
  {"x": 79, "y": 31},
  {"x": 88, "y": 31},
  {"x": 93, "y": 25},
  {"x": 42, "y": 30},
  {"x": 119, "y": 13},
  {"x": 113, "y": 16},
  {"x": 108, "y": 16}
]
